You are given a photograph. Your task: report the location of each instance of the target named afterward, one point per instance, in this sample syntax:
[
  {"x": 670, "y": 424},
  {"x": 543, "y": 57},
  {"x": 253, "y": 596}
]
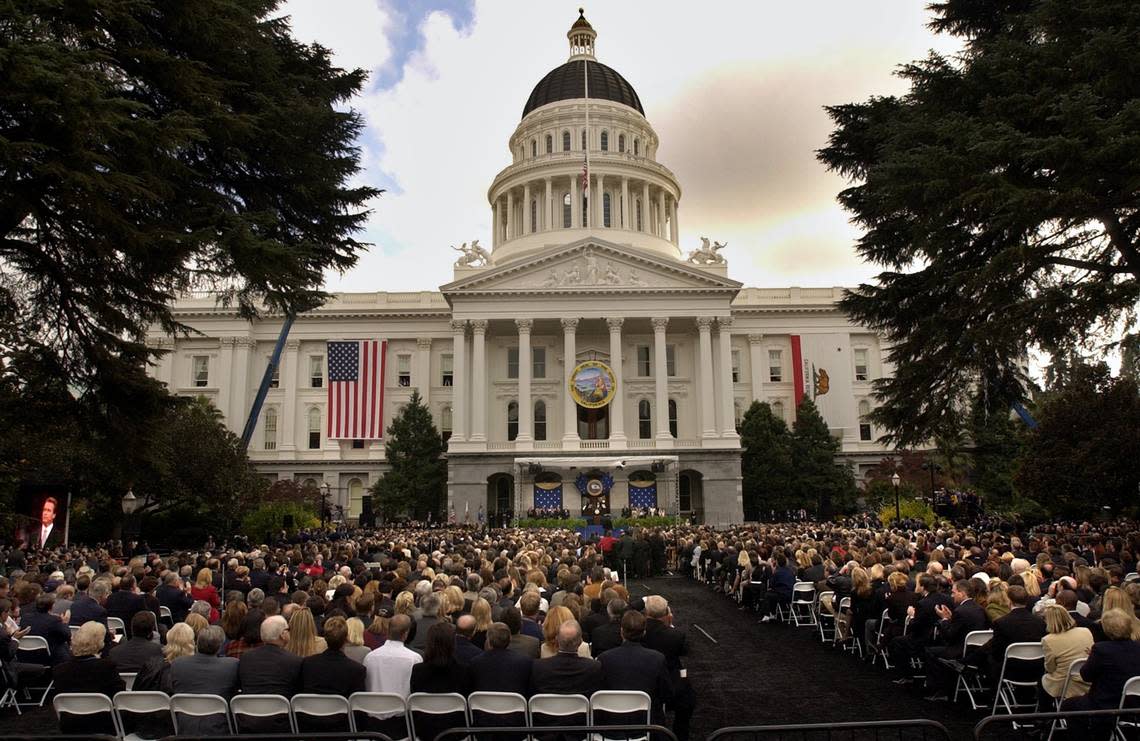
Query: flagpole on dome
[{"x": 582, "y": 36}]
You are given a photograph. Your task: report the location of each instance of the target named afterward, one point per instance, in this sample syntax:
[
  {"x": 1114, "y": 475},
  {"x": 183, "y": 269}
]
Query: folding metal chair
[
  {"x": 128, "y": 679},
  {"x": 166, "y": 616},
  {"x": 198, "y": 706},
  {"x": 116, "y": 627},
  {"x": 380, "y": 711},
  {"x": 260, "y": 707},
  {"x": 1073, "y": 671},
  {"x": 559, "y": 710},
  {"x": 881, "y": 650},
  {"x": 319, "y": 713},
  {"x": 1005, "y": 691},
  {"x": 498, "y": 709},
  {"x": 430, "y": 713},
  {"x": 969, "y": 678},
  {"x": 803, "y": 604},
  {"x": 621, "y": 703},
  {"x": 1131, "y": 689},
  {"x": 853, "y": 643},
  {"x": 35, "y": 650},
  {"x": 826, "y": 620},
  {"x": 130, "y": 704},
  {"x": 86, "y": 705}
]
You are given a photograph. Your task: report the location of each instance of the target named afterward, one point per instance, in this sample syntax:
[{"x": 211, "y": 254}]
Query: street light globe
[
  {"x": 895, "y": 479},
  {"x": 130, "y": 503}
]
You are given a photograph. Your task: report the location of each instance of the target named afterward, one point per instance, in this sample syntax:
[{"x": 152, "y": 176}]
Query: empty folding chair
[
  {"x": 8, "y": 696},
  {"x": 262, "y": 714},
  {"x": 803, "y": 603},
  {"x": 880, "y": 651},
  {"x": 1022, "y": 667},
  {"x": 620, "y": 707},
  {"x": 969, "y": 678},
  {"x": 166, "y": 616},
  {"x": 83, "y": 713},
  {"x": 498, "y": 709},
  {"x": 1131, "y": 690},
  {"x": 429, "y": 713},
  {"x": 35, "y": 650},
  {"x": 143, "y": 715},
  {"x": 852, "y": 642},
  {"x": 116, "y": 627},
  {"x": 200, "y": 715},
  {"x": 321, "y": 713},
  {"x": 380, "y": 712},
  {"x": 559, "y": 710}
]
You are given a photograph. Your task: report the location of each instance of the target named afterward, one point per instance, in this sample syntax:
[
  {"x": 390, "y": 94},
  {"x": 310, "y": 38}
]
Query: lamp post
[
  {"x": 895, "y": 479},
  {"x": 130, "y": 504}
]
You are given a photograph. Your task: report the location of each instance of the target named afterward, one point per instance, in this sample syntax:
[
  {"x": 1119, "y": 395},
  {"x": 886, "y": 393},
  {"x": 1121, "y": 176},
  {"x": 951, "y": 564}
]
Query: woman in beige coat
[{"x": 1063, "y": 644}]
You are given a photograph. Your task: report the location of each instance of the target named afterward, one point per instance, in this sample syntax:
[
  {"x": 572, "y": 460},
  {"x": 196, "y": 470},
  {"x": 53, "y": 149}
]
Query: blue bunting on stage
[
  {"x": 642, "y": 497},
  {"x": 548, "y": 498}
]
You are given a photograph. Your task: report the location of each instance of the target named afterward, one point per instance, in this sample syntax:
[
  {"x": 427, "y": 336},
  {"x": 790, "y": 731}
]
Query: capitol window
[
  {"x": 583, "y": 140},
  {"x": 671, "y": 360},
  {"x": 512, "y": 420},
  {"x": 644, "y": 362},
  {"x": 606, "y": 209},
  {"x": 738, "y": 414},
  {"x": 404, "y": 370},
  {"x": 540, "y": 420},
  {"x": 639, "y": 227},
  {"x": 533, "y": 215},
  {"x": 565, "y": 141},
  {"x": 314, "y": 428},
  {"x": 316, "y": 371},
  {"x": 736, "y": 366},
  {"x": 861, "y": 370},
  {"x": 446, "y": 373},
  {"x": 275, "y": 379},
  {"x": 200, "y": 373},
  {"x": 605, "y": 141},
  {"x": 271, "y": 429},
  {"x": 512, "y": 362},
  {"x": 775, "y": 366},
  {"x": 673, "y": 418},
  {"x": 549, "y": 144},
  {"x": 538, "y": 362},
  {"x": 533, "y": 148},
  {"x": 566, "y": 217},
  {"x": 778, "y": 410},
  {"x": 621, "y": 143},
  {"x": 864, "y": 422},
  {"x": 445, "y": 422},
  {"x": 644, "y": 420},
  {"x": 636, "y": 148}
]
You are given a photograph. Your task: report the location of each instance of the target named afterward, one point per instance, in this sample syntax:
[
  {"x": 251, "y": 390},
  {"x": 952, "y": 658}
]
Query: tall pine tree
[
  {"x": 821, "y": 484},
  {"x": 766, "y": 463},
  {"x": 416, "y": 482}
]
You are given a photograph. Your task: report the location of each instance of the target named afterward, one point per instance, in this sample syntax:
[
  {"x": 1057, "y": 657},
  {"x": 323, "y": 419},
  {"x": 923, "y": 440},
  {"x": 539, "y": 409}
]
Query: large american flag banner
[
  {"x": 545, "y": 498},
  {"x": 356, "y": 390},
  {"x": 642, "y": 497}
]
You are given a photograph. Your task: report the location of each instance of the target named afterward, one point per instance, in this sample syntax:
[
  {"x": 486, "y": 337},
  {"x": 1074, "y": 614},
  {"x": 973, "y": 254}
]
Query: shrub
[
  {"x": 270, "y": 518},
  {"x": 910, "y": 509}
]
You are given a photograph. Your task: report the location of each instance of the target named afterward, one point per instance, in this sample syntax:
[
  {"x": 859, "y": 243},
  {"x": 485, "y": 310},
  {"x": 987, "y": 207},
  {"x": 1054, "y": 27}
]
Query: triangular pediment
[{"x": 591, "y": 265}]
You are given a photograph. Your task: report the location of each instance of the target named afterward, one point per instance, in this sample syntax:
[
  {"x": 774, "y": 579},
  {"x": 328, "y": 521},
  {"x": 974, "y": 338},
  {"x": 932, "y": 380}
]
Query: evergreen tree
[
  {"x": 1085, "y": 453},
  {"x": 821, "y": 483},
  {"x": 999, "y": 195},
  {"x": 765, "y": 463},
  {"x": 996, "y": 449},
  {"x": 417, "y": 480}
]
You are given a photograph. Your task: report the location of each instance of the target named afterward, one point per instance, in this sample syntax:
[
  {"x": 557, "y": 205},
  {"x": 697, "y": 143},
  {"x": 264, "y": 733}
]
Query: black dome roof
[{"x": 566, "y": 83}]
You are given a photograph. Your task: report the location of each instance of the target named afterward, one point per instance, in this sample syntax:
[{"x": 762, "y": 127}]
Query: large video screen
[{"x": 43, "y": 521}]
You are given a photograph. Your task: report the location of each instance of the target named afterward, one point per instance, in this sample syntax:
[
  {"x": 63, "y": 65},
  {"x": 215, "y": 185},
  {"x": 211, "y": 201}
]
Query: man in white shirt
[
  {"x": 389, "y": 669},
  {"x": 47, "y": 536}
]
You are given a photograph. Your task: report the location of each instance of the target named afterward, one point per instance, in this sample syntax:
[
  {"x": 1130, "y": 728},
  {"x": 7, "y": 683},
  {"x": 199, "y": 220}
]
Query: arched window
[
  {"x": 778, "y": 410},
  {"x": 549, "y": 144},
  {"x": 644, "y": 420},
  {"x": 540, "y": 420},
  {"x": 271, "y": 428},
  {"x": 533, "y": 148},
  {"x": 864, "y": 422},
  {"x": 355, "y": 497},
  {"x": 445, "y": 422},
  {"x": 314, "y": 428},
  {"x": 636, "y": 148},
  {"x": 673, "y": 418},
  {"x": 621, "y": 143},
  {"x": 605, "y": 141},
  {"x": 606, "y": 209},
  {"x": 639, "y": 220},
  {"x": 533, "y": 215},
  {"x": 512, "y": 420},
  {"x": 566, "y": 212},
  {"x": 565, "y": 141}
]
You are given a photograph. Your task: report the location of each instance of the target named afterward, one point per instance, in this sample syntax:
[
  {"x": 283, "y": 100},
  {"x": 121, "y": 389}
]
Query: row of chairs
[{"x": 309, "y": 713}]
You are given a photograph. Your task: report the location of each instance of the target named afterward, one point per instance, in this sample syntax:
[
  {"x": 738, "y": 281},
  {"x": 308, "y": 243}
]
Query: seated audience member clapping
[
  {"x": 86, "y": 671},
  {"x": 331, "y": 672},
  {"x": 37, "y": 620}
]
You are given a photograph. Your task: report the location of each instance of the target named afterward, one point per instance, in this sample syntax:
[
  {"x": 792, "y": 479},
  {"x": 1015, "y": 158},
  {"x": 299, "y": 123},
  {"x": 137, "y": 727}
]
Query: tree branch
[
  {"x": 1120, "y": 241},
  {"x": 1089, "y": 265}
]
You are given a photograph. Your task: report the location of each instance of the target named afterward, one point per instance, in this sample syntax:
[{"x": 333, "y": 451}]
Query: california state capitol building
[{"x": 590, "y": 350}]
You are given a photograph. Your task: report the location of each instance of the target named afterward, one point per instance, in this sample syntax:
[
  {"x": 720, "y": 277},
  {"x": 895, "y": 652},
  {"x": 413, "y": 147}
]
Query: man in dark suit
[
  {"x": 465, "y": 650},
  {"x": 608, "y": 636},
  {"x": 598, "y": 615},
  {"x": 269, "y": 669},
  {"x": 567, "y": 673},
  {"x": 205, "y": 673},
  {"x": 48, "y": 534},
  {"x": 430, "y": 605},
  {"x": 528, "y": 646},
  {"x": 174, "y": 596},
  {"x": 661, "y": 635},
  {"x": 529, "y": 605},
  {"x": 131, "y": 655},
  {"x": 498, "y": 669},
  {"x": 88, "y": 605},
  {"x": 331, "y": 672},
  {"x": 125, "y": 602},
  {"x": 1019, "y": 625},
  {"x": 40, "y": 622},
  {"x": 953, "y": 627},
  {"x": 632, "y": 666},
  {"x": 923, "y": 619}
]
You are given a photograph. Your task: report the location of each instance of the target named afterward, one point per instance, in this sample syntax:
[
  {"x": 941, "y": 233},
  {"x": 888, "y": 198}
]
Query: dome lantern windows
[
  {"x": 605, "y": 141},
  {"x": 565, "y": 141},
  {"x": 621, "y": 143},
  {"x": 549, "y": 144}
]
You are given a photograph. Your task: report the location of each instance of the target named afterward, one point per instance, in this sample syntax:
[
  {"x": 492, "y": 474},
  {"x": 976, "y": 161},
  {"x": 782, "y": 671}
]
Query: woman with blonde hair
[
  {"x": 1064, "y": 643},
  {"x": 997, "y": 600},
  {"x": 354, "y": 647},
  {"x": 303, "y": 638},
  {"x": 197, "y": 622},
  {"x": 179, "y": 642},
  {"x": 1116, "y": 598},
  {"x": 452, "y": 602},
  {"x": 205, "y": 590},
  {"x": 481, "y": 611},
  {"x": 86, "y": 671},
  {"x": 554, "y": 620}
]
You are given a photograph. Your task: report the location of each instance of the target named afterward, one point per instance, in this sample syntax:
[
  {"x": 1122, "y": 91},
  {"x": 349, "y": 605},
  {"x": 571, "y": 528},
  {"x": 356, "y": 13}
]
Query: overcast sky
[{"x": 735, "y": 90}]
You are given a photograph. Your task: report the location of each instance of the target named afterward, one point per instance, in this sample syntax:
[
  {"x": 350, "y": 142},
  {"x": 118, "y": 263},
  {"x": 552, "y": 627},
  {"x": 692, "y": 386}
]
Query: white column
[
  {"x": 549, "y": 207},
  {"x": 727, "y": 395},
  {"x": 625, "y": 209},
  {"x": 422, "y": 371},
  {"x": 527, "y": 226},
  {"x": 575, "y": 203},
  {"x": 569, "y": 353},
  {"x": 478, "y": 381},
  {"x": 600, "y": 211},
  {"x": 526, "y": 407},
  {"x": 495, "y": 223},
  {"x": 225, "y": 381},
  {"x": 756, "y": 361},
  {"x": 645, "y": 208},
  {"x": 510, "y": 216},
  {"x": 676, "y": 228},
  {"x": 617, "y": 406},
  {"x": 708, "y": 410},
  {"x": 661, "y": 378},
  {"x": 288, "y": 381},
  {"x": 459, "y": 392}
]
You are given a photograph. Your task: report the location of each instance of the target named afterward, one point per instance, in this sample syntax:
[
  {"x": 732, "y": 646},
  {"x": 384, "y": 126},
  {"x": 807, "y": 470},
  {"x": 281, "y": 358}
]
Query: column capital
[
  {"x": 724, "y": 322},
  {"x": 228, "y": 341},
  {"x": 704, "y": 323},
  {"x": 660, "y": 323},
  {"x": 570, "y": 324},
  {"x": 423, "y": 343},
  {"x": 459, "y": 325},
  {"x": 478, "y": 326},
  {"x": 293, "y": 345},
  {"x": 614, "y": 323},
  {"x": 755, "y": 339},
  {"x": 524, "y": 325}
]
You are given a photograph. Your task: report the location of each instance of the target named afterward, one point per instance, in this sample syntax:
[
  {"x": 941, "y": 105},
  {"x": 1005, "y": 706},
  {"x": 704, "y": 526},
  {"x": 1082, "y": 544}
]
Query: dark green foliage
[
  {"x": 148, "y": 148},
  {"x": 1000, "y": 196},
  {"x": 821, "y": 484},
  {"x": 765, "y": 463},
  {"x": 1085, "y": 454},
  {"x": 997, "y": 445},
  {"x": 416, "y": 482}
]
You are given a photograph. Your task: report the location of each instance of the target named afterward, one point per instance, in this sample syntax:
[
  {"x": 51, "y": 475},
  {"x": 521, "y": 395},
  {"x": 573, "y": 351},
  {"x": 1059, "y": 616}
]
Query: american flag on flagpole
[{"x": 356, "y": 390}]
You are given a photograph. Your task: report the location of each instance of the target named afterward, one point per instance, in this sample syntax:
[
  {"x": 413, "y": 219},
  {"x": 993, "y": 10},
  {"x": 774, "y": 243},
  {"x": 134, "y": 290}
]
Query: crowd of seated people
[
  {"x": 404, "y": 611},
  {"x": 1070, "y": 587}
]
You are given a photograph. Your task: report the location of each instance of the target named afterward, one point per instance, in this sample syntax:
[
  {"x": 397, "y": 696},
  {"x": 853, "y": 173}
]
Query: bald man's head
[
  {"x": 569, "y": 637},
  {"x": 465, "y": 626}
]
